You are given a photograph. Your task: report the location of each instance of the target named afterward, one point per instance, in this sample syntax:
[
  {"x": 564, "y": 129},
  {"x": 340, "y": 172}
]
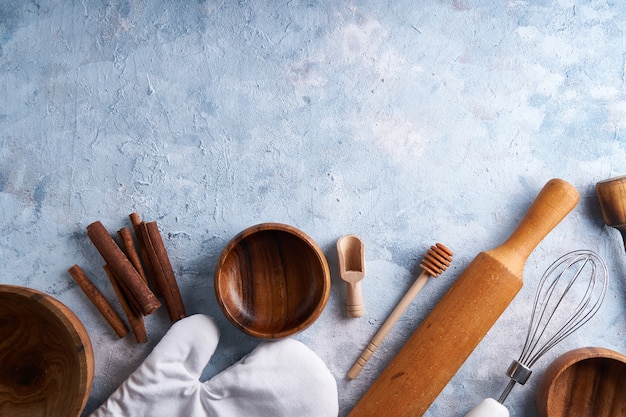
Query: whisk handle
[
  {"x": 488, "y": 408},
  {"x": 556, "y": 199}
]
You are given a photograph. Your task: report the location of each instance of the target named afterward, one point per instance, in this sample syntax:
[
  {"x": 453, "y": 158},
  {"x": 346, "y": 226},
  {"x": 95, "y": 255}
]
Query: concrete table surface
[{"x": 406, "y": 123}]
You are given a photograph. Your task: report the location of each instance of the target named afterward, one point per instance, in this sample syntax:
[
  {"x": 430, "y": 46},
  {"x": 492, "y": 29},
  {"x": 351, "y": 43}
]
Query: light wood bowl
[
  {"x": 272, "y": 281},
  {"x": 46, "y": 357},
  {"x": 584, "y": 382}
]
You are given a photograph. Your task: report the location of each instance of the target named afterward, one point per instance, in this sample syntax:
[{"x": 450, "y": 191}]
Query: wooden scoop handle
[{"x": 354, "y": 300}]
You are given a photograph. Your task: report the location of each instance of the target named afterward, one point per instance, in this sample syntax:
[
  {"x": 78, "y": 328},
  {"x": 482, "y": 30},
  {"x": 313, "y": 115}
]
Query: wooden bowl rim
[
  {"x": 80, "y": 338},
  {"x": 316, "y": 250},
  {"x": 562, "y": 364},
  {"x": 618, "y": 178}
]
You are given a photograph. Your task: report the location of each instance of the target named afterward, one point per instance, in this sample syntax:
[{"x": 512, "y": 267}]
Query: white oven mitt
[{"x": 279, "y": 378}]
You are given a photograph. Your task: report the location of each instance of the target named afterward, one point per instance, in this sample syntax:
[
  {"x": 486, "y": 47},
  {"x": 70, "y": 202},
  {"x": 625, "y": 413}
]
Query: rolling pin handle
[{"x": 555, "y": 200}]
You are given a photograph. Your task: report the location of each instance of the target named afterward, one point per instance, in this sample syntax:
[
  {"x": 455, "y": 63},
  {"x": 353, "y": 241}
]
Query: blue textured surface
[{"x": 406, "y": 123}]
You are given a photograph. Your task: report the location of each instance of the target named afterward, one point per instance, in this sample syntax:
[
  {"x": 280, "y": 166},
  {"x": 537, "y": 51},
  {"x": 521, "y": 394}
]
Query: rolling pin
[{"x": 459, "y": 321}]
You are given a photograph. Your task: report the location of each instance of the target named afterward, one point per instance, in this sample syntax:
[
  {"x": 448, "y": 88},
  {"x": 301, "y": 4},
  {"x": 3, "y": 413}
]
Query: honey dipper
[{"x": 436, "y": 260}]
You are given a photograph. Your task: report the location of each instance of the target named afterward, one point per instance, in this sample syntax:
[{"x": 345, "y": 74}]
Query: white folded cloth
[{"x": 282, "y": 378}]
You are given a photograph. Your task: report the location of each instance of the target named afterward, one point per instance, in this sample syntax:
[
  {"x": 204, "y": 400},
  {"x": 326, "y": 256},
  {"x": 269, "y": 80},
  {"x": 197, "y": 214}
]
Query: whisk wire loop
[
  {"x": 581, "y": 314},
  {"x": 569, "y": 294}
]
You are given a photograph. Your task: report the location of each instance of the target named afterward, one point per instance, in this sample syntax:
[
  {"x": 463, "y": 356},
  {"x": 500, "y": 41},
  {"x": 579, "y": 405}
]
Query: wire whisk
[{"x": 569, "y": 294}]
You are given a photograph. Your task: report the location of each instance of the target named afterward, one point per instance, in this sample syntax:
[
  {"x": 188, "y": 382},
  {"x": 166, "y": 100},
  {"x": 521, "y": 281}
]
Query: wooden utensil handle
[
  {"x": 388, "y": 325},
  {"x": 354, "y": 297},
  {"x": 553, "y": 203},
  {"x": 612, "y": 198}
]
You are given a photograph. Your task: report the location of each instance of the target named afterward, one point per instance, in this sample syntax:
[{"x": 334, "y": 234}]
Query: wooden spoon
[
  {"x": 352, "y": 270},
  {"x": 612, "y": 196}
]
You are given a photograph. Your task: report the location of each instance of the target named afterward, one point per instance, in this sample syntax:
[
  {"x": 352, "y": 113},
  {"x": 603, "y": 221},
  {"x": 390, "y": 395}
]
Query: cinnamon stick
[
  {"x": 135, "y": 220},
  {"x": 123, "y": 268},
  {"x": 132, "y": 302},
  {"x": 164, "y": 273},
  {"x": 98, "y": 300},
  {"x": 134, "y": 317},
  {"x": 128, "y": 245}
]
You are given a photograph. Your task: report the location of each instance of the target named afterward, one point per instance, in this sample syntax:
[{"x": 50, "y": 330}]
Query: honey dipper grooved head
[{"x": 437, "y": 259}]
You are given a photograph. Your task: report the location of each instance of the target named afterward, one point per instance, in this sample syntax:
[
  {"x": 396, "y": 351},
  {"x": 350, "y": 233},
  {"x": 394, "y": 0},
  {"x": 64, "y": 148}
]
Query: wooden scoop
[
  {"x": 612, "y": 197},
  {"x": 352, "y": 270}
]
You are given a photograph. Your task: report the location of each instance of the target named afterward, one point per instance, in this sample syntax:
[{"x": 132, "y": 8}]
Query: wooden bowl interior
[
  {"x": 46, "y": 358},
  {"x": 272, "y": 281},
  {"x": 586, "y": 382}
]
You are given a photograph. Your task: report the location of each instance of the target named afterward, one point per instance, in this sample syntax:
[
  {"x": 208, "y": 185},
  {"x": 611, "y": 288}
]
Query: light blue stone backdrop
[{"x": 404, "y": 122}]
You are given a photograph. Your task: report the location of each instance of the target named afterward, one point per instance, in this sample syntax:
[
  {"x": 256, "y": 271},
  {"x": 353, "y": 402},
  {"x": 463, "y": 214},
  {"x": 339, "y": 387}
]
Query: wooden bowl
[
  {"x": 46, "y": 357},
  {"x": 272, "y": 281},
  {"x": 585, "y": 382}
]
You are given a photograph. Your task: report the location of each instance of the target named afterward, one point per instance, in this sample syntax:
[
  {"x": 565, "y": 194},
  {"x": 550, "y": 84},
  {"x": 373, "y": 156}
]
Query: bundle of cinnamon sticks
[{"x": 139, "y": 274}]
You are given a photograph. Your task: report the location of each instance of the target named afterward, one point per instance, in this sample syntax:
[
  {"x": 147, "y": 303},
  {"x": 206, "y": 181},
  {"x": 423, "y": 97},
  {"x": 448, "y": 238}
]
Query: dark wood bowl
[
  {"x": 272, "y": 281},
  {"x": 584, "y": 382},
  {"x": 46, "y": 357}
]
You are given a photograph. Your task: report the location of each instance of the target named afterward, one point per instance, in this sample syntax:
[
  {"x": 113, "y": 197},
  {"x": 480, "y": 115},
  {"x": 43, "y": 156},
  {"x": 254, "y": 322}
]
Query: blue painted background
[{"x": 407, "y": 123}]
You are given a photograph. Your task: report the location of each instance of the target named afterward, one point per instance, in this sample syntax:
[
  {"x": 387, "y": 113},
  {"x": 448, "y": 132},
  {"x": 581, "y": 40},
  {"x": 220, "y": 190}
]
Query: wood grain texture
[
  {"x": 272, "y": 280},
  {"x": 612, "y": 197},
  {"x": 459, "y": 321},
  {"x": 46, "y": 357},
  {"x": 584, "y": 382}
]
